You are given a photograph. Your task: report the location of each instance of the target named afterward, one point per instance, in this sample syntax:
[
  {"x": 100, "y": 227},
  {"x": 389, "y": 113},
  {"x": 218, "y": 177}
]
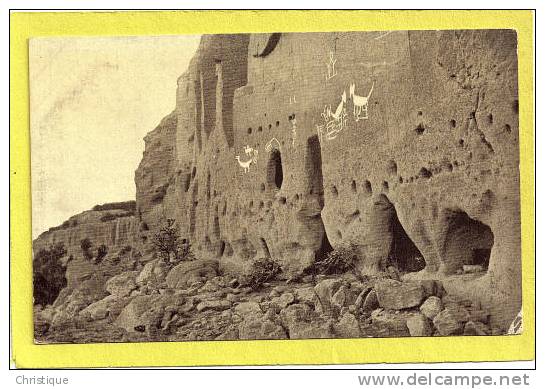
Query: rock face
[
  {"x": 113, "y": 225},
  {"x": 286, "y": 146},
  {"x": 437, "y": 189}
]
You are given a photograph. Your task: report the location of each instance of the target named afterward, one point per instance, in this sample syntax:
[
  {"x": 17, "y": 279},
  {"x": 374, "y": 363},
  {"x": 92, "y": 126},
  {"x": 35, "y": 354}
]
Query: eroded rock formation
[{"x": 402, "y": 144}]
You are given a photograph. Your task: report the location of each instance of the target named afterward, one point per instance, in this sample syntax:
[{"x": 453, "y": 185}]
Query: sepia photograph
[{"x": 266, "y": 186}]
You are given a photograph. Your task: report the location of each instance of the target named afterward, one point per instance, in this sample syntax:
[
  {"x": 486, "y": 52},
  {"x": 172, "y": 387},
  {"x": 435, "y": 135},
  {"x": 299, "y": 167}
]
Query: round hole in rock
[
  {"x": 391, "y": 167},
  {"x": 249, "y": 130},
  {"x": 368, "y": 188},
  {"x": 275, "y": 174}
]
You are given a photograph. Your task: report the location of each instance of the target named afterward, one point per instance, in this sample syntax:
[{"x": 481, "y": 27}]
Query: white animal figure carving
[
  {"x": 334, "y": 121},
  {"x": 331, "y": 72},
  {"x": 245, "y": 165},
  {"x": 340, "y": 108},
  {"x": 361, "y": 103}
]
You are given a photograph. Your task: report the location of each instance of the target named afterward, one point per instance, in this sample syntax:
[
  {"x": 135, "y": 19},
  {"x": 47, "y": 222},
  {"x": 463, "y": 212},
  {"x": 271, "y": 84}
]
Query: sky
[{"x": 92, "y": 100}]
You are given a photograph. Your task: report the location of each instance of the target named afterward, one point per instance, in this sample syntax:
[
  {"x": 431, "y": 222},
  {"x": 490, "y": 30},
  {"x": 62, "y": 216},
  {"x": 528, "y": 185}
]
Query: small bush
[
  {"x": 49, "y": 274},
  {"x": 263, "y": 270},
  {"x": 338, "y": 261},
  {"x": 167, "y": 243},
  {"x": 101, "y": 253},
  {"x": 86, "y": 247}
]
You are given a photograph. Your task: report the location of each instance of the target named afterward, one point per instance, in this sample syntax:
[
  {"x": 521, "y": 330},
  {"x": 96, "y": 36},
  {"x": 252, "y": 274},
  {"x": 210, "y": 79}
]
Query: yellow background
[{"x": 434, "y": 349}]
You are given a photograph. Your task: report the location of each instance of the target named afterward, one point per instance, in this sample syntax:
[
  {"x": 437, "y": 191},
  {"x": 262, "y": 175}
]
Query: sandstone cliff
[{"x": 403, "y": 145}]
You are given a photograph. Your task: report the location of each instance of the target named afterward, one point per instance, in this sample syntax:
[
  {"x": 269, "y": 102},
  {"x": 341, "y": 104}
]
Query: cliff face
[
  {"x": 110, "y": 226},
  {"x": 404, "y": 144}
]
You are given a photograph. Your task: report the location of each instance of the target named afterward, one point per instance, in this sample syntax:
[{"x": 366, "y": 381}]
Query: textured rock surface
[
  {"x": 419, "y": 325},
  {"x": 263, "y": 157},
  {"x": 431, "y": 307},
  {"x": 392, "y": 294},
  {"x": 451, "y": 320},
  {"x": 440, "y": 173}
]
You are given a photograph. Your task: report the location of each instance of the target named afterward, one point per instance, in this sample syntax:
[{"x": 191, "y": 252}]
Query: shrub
[
  {"x": 167, "y": 243},
  {"x": 86, "y": 246},
  {"x": 262, "y": 270},
  {"x": 101, "y": 253},
  {"x": 338, "y": 261},
  {"x": 49, "y": 274}
]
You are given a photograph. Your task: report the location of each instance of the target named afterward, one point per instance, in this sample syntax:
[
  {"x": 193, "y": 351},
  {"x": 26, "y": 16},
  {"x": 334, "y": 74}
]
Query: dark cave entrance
[
  {"x": 392, "y": 240},
  {"x": 468, "y": 242},
  {"x": 275, "y": 174},
  {"x": 403, "y": 252},
  {"x": 315, "y": 190}
]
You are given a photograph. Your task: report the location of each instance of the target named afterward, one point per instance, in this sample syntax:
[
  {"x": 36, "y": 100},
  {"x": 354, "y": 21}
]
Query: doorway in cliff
[
  {"x": 468, "y": 244},
  {"x": 275, "y": 173},
  {"x": 315, "y": 192},
  {"x": 401, "y": 251}
]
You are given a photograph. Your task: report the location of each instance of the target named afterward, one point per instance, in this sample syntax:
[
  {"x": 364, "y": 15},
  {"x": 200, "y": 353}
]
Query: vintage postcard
[{"x": 279, "y": 186}]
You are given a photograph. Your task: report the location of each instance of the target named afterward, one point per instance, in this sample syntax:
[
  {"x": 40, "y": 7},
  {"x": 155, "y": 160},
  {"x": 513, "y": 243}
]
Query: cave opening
[
  {"x": 403, "y": 252},
  {"x": 315, "y": 187},
  {"x": 221, "y": 249},
  {"x": 275, "y": 173},
  {"x": 392, "y": 240},
  {"x": 468, "y": 244}
]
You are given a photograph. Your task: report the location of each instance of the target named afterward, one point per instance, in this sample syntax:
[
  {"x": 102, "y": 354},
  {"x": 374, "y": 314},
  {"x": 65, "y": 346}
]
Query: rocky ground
[{"x": 192, "y": 301}]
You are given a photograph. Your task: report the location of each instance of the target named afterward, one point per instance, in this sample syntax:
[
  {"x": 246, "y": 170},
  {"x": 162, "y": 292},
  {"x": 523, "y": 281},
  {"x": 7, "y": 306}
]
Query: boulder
[
  {"x": 146, "y": 312},
  {"x": 431, "y": 307},
  {"x": 393, "y": 294},
  {"x": 293, "y": 314},
  {"x": 325, "y": 290},
  {"x": 122, "y": 284},
  {"x": 343, "y": 297},
  {"x": 134, "y": 316},
  {"x": 391, "y": 323},
  {"x": 347, "y": 327},
  {"x": 110, "y": 306},
  {"x": 370, "y": 303},
  {"x": 249, "y": 308},
  {"x": 259, "y": 327},
  {"x": 187, "y": 273},
  {"x": 419, "y": 325},
  {"x": 451, "y": 320},
  {"x": 306, "y": 295},
  {"x": 476, "y": 328},
  {"x": 432, "y": 287},
  {"x": 315, "y": 329},
  {"x": 214, "y": 305},
  {"x": 154, "y": 272},
  {"x": 284, "y": 300}
]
